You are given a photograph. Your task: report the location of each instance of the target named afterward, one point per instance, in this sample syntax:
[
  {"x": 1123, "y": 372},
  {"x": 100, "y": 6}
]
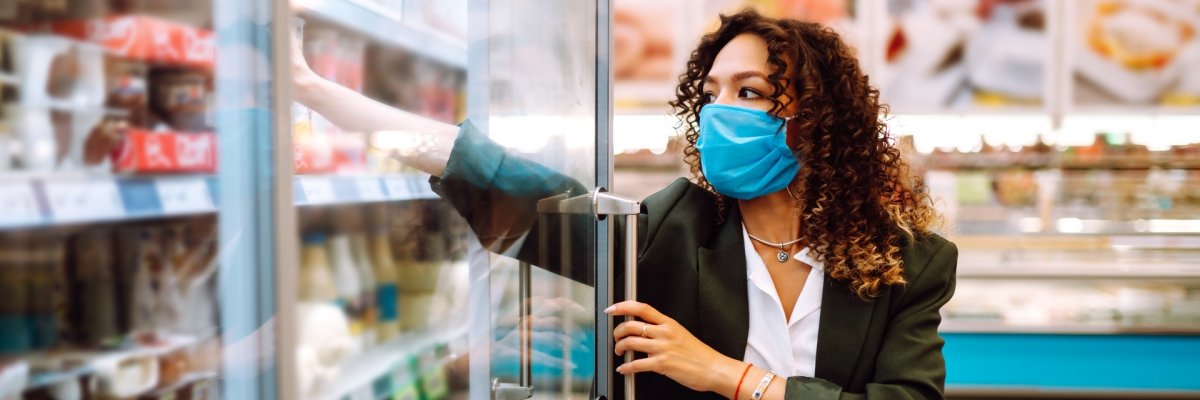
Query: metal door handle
[
  {"x": 601, "y": 204},
  {"x": 524, "y": 388}
]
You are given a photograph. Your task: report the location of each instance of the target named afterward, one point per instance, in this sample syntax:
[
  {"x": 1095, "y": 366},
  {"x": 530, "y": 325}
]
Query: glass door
[
  {"x": 537, "y": 325},
  {"x": 396, "y": 294},
  {"x": 137, "y": 199}
]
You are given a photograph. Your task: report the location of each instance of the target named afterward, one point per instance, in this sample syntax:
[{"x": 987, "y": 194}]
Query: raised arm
[{"x": 420, "y": 142}]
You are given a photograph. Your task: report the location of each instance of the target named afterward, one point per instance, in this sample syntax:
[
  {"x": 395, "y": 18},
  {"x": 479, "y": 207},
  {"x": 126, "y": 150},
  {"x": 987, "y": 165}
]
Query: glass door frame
[{"x": 478, "y": 109}]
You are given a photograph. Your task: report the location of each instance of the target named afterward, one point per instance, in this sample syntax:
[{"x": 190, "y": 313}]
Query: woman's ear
[{"x": 793, "y": 132}]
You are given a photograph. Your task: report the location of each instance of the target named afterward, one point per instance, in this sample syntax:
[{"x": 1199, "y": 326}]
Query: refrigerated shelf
[
  {"x": 1060, "y": 270},
  {"x": 359, "y": 374},
  {"x": 343, "y": 189},
  {"x": 388, "y": 27},
  {"x": 87, "y": 362},
  {"x": 40, "y": 201}
]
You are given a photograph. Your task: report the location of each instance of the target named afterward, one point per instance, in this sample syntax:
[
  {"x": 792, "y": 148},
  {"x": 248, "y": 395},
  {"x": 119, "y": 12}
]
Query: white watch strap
[{"x": 762, "y": 386}]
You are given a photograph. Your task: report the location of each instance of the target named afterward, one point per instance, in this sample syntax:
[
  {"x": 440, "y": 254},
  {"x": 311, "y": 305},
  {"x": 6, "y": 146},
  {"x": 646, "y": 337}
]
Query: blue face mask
[{"x": 744, "y": 152}]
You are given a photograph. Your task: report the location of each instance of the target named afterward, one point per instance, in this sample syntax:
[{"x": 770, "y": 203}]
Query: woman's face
[{"x": 738, "y": 76}]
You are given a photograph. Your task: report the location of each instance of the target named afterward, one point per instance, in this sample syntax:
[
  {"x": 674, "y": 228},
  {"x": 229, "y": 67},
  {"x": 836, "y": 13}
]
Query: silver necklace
[{"x": 783, "y": 255}]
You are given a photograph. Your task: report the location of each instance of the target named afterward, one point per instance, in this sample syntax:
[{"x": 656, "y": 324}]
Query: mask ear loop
[{"x": 789, "y": 186}]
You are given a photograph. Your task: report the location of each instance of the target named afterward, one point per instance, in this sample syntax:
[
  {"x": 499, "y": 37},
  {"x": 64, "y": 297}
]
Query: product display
[
  {"x": 130, "y": 264},
  {"x": 1136, "y": 52},
  {"x": 954, "y": 55},
  {"x": 152, "y": 247}
]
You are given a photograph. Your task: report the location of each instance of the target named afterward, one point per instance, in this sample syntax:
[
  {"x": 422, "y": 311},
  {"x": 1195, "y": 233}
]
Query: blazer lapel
[
  {"x": 845, "y": 319},
  {"x": 723, "y": 305}
]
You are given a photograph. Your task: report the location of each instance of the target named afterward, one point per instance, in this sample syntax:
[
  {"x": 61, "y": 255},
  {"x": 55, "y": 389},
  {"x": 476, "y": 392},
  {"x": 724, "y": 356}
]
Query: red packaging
[
  {"x": 159, "y": 152},
  {"x": 146, "y": 38}
]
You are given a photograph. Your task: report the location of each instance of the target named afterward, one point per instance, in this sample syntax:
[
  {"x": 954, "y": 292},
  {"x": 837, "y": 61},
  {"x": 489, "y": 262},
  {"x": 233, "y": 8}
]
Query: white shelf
[
  {"x": 310, "y": 190},
  {"x": 1131, "y": 110},
  {"x": 361, "y": 371},
  {"x": 30, "y": 200},
  {"x": 1074, "y": 270},
  {"x": 388, "y": 27},
  {"x": 85, "y": 362}
]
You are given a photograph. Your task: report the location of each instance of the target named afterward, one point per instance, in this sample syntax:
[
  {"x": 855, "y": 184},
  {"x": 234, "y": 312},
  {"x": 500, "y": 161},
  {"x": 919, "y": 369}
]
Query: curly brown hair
[{"x": 858, "y": 200}]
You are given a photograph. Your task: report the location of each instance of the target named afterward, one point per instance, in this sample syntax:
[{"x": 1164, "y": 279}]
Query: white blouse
[{"x": 785, "y": 347}]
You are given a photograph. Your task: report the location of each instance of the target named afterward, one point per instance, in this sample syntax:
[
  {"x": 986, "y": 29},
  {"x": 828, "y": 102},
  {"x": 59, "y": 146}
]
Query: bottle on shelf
[
  {"x": 94, "y": 289},
  {"x": 324, "y": 329},
  {"x": 316, "y": 273},
  {"x": 349, "y": 284},
  {"x": 370, "y": 283},
  {"x": 387, "y": 279},
  {"x": 41, "y": 296},
  {"x": 15, "y": 337}
]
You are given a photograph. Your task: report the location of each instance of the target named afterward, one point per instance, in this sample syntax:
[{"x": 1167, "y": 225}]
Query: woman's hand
[
  {"x": 304, "y": 80},
  {"x": 671, "y": 350}
]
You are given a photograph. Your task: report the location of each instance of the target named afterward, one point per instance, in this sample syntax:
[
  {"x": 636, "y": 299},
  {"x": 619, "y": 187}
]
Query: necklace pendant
[{"x": 782, "y": 256}]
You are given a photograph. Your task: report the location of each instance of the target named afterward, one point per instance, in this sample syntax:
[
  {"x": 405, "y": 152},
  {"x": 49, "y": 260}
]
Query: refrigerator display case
[
  {"x": 394, "y": 296},
  {"x": 1084, "y": 258},
  {"x": 137, "y": 200},
  {"x": 172, "y": 225}
]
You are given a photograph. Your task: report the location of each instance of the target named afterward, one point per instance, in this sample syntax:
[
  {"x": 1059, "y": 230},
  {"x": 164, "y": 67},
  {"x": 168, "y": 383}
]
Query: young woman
[{"x": 800, "y": 256}]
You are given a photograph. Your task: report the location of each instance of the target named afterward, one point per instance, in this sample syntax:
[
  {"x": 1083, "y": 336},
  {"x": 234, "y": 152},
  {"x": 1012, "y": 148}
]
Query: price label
[
  {"x": 424, "y": 190},
  {"x": 397, "y": 188},
  {"x": 18, "y": 204},
  {"x": 182, "y": 196},
  {"x": 81, "y": 201},
  {"x": 369, "y": 189},
  {"x": 317, "y": 190}
]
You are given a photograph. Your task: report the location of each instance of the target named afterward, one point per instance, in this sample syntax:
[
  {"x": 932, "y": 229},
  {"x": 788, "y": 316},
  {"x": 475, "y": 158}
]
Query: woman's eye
[
  {"x": 748, "y": 93},
  {"x": 708, "y": 98}
]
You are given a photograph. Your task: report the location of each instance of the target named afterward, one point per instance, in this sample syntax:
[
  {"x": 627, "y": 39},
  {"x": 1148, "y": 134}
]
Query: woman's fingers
[
  {"x": 639, "y": 365},
  {"x": 636, "y": 309},
  {"x": 636, "y": 328},
  {"x": 637, "y": 344}
]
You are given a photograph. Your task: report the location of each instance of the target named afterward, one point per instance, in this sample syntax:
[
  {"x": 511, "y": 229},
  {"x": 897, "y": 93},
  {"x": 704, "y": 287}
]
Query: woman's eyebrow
[
  {"x": 739, "y": 76},
  {"x": 744, "y": 75}
]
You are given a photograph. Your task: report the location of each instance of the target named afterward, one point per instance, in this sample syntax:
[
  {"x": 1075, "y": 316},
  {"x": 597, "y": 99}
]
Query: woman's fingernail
[{"x": 610, "y": 309}]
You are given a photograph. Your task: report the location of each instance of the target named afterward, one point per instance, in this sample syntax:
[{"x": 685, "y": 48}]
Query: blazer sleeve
[
  {"x": 910, "y": 363},
  {"x": 497, "y": 193}
]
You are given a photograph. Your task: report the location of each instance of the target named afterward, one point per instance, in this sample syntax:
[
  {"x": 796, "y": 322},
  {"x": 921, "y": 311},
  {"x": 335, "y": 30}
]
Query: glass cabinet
[
  {"x": 396, "y": 296},
  {"x": 138, "y": 199},
  {"x": 172, "y": 225},
  {"x": 1086, "y": 258}
]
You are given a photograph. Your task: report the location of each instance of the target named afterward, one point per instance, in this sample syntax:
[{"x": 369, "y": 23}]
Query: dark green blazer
[{"x": 693, "y": 269}]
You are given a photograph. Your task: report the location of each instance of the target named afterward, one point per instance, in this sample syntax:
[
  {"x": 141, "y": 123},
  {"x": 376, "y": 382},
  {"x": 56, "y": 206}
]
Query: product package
[
  {"x": 146, "y": 38},
  {"x": 166, "y": 152}
]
